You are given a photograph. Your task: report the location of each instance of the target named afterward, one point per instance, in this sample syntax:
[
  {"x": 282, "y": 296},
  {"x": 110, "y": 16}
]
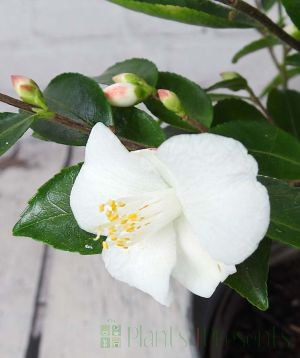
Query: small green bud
[
  {"x": 29, "y": 91},
  {"x": 171, "y": 101}
]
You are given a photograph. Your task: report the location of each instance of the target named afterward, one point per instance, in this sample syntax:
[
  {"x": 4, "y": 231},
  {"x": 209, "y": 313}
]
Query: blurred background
[{"x": 55, "y": 304}]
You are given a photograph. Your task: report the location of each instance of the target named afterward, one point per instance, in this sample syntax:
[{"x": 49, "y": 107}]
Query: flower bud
[
  {"x": 128, "y": 78},
  {"x": 29, "y": 91},
  {"x": 124, "y": 94},
  {"x": 171, "y": 101},
  {"x": 293, "y": 31},
  {"x": 135, "y": 80}
]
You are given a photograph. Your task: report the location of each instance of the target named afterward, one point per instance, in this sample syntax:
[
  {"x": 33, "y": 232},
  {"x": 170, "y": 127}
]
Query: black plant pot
[{"x": 227, "y": 326}]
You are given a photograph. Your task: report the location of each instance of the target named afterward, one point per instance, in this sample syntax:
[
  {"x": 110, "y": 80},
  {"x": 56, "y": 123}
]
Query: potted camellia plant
[{"x": 199, "y": 184}]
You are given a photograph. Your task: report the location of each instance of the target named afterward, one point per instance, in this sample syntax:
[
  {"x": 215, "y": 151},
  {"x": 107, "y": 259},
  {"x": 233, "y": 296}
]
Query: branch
[
  {"x": 257, "y": 15},
  {"x": 57, "y": 118},
  {"x": 258, "y": 102},
  {"x": 67, "y": 122},
  {"x": 194, "y": 123}
]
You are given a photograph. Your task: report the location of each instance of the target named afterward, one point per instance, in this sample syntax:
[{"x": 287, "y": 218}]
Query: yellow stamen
[
  {"x": 113, "y": 205},
  {"x": 105, "y": 245},
  {"x": 102, "y": 207},
  {"x": 111, "y": 230},
  {"x": 144, "y": 207},
  {"x": 121, "y": 204},
  {"x": 132, "y": 216}
]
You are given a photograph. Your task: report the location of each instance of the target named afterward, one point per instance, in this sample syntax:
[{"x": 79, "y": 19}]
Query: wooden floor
[{"x": 60, "y": 305}]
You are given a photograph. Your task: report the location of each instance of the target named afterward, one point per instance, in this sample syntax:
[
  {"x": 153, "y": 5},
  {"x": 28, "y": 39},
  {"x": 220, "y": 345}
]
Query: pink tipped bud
[
  {"x": 19, "y": 81},
  {"x": 123, "y": 94},
  {"x": 135, "y": 80},
  {"x": 29, "y": 91},
  {"x": 171, "y": 101}
]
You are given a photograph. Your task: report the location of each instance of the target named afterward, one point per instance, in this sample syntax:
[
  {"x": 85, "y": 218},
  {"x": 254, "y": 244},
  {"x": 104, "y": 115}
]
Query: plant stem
[
  {"x": 284, "y": 75},
  {"x": 67, "y": 122},
  {"x": 264, "y": 20},
  {"x": 195, "y": 124},
  {"x": 258, "y": 102},
  {"x": 57, "y": 117}
]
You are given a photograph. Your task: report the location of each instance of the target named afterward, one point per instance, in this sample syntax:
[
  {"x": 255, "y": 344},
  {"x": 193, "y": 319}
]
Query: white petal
[
  {"x": 215, "y": 181},
  {"x": 195, "y": 269},
  {"x": 109, "y": 172},
  {"x": 147, "y": 265}
]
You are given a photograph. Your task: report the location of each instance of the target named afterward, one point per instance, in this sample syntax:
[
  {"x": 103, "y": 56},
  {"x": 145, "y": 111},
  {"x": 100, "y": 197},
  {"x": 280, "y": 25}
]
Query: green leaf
[
  {"x": 164, "y": 115},
  {"x": 250, "y": 280},
  {"x": 137, "y": 125},
  {"x": 79, "y": 98},
  {"x": 284, "y": 107},
  {"x": 193, "y": 98},
  {"x": 278, "y": 80},
  {"x": 255, "y": 46},
  {"x": 293, "y": 60},
  {"x": 268, "y": 4},
  {"x": 172, "y": 131},
  {"x": 235, "y": 109},
  {"x": 216, "y": 97},
  {"x": 49, "y": 218},
  {"x": 285, "y": 212},
  {"x": 12, "y": 127},
  {"x": 293, "y": 9},
  {"x": 139, "y": 66},
  {"x": 194, "y": 12},
  {"x": 236, "y": 84},
  {"x": 277, "y": 152}
]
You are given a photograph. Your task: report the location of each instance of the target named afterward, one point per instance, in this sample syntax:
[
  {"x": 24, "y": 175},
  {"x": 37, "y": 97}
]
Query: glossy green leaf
[
  {"x": 235, "y": 109},
  {"x": 278, "y": 80},
  {"x": 196, "y": 103},
  {"x": 285, "y": 211},
  {"x": 12, "y": 127},
  {"x": 49, "y": 218},
  {"x": 284, "y": 107},
  {"x": 293, "y": 9},
  {"x": 216, "y": 97},
  {"x": 268, "y": 4},
  {"x": 79, "y": 98},
  {"x": 164, "y": 115},
  {"x": 139, "y": 126},
  {"x": 277, "y": 152},
  {"x": 293, "y": 60},
  {"x": 139, "y": 66},
  {"x": 171, "y": 131},
  {"x": 255, "y": 46},
  {"x": 250, "y": 280},
  {"x": 194, "y": 12},
  {"x": 236, "y": 84}
]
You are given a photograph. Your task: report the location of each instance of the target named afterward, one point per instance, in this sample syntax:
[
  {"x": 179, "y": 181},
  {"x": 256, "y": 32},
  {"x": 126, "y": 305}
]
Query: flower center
[{"x": 127, "y": 221}]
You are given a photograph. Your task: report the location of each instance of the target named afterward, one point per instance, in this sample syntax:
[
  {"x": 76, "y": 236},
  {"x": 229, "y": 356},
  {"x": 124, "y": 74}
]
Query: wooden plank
[
  {"x": 20, "y": 258},
  {"x": 82, "y": 297}
]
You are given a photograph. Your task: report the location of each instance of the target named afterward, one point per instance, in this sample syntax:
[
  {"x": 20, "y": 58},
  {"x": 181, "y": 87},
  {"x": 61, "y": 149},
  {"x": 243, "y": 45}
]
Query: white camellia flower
[{"x": 192, "y": 209}]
